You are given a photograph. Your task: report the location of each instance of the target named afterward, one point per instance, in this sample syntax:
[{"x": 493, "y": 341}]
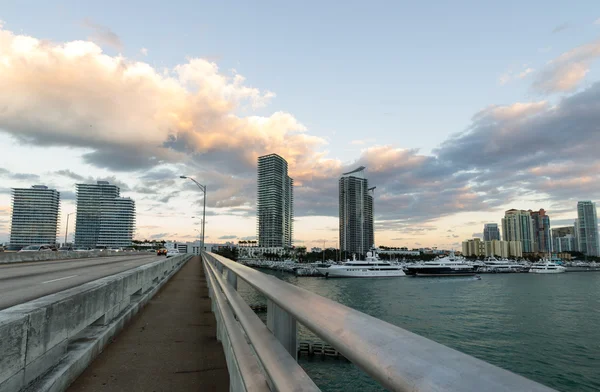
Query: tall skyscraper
[
  {"x": 275, "y": 202},
  {"x": 541, "y": 231},
  {"x": 356, "y": 213},
  {"x": 34, "y": 216},
  {"x": 104, "y": 219},
  {"x": 491, "y": 232},
  {"x": 517, "y": 226},
  {"x": 587, "y": 224},
  {"x": 563, "y": 239}
]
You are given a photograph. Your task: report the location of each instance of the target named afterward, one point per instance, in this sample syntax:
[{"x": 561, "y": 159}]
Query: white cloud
[
  {"x": 597, "y": 21},
  {"x": 144, "y": 51},
  {"x": 566, "y": 72},
  {"x": 525, "y": 73}
]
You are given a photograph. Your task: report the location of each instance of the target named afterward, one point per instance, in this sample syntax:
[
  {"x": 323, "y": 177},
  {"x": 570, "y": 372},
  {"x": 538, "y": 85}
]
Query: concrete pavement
[
  {"x": 169, "y": 346},
  {"x": 22, "y": 282}
]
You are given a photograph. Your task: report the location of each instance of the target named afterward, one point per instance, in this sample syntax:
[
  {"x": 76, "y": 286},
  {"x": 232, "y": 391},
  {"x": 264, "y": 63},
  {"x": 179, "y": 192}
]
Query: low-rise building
[
  {"x": 473, "y": 247},
  {"x": 478, "y": 248}
]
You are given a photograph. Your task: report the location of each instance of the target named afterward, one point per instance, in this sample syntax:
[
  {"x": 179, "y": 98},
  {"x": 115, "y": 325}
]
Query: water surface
[{"x": 544, "y": 327}]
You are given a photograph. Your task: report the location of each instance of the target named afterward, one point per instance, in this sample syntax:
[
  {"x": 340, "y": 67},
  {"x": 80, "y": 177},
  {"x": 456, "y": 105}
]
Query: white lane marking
[{"x": 56, "y": 280}]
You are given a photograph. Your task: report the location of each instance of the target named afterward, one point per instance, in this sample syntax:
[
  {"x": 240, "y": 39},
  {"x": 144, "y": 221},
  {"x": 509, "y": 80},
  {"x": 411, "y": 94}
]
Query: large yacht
[
  {"x": 546, "y": 267},
  {"x": 444, "y": 266},
  {"x": 372, "y": 267},
  {"x": 492, "y": 264}
]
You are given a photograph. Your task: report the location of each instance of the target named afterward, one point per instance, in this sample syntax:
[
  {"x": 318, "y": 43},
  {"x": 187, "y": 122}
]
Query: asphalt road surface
[{"x": 22, "y": 282}]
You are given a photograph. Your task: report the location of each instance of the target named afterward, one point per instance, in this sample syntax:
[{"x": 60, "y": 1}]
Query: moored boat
[{"x": 444, "y": 266}]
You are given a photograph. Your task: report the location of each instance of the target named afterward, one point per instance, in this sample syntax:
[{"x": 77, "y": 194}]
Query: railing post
[
  {"x": 283, "y": 326},
  {"x": 232, "y": 278}
]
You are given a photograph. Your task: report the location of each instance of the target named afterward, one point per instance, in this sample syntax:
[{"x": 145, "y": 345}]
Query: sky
[{"x": 459, "y": 110}]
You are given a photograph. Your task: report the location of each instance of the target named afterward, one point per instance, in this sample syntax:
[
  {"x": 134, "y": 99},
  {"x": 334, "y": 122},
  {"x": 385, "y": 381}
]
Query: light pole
[
  {"x": 67, "y": 229},
  {"x": 203, "y": 189}
]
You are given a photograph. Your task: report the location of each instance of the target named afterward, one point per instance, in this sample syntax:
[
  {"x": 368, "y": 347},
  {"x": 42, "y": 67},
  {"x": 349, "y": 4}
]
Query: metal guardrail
[{"x": 398, "y": 359}]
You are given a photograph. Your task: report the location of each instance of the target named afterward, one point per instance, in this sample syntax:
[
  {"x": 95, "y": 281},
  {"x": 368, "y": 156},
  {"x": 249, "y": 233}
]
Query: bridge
[{"x": 143, "y": 323}]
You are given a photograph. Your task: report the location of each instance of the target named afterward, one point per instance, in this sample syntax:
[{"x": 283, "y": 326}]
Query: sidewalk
[{"x": 170, "y": 345}]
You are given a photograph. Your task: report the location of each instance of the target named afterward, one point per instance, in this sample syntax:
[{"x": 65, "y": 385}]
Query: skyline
[{"x": 458, "y": 147}]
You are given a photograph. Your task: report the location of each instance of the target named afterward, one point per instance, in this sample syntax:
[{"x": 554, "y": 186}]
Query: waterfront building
[
  {"x": 275, "y": 202},
  {"x": 517, "y": 226},
  {"x": 356, "y": 213},
  {"x": 34, "y": 216},
  {"x": 587, "y": 228},
  {"x": 515, "y": 248},
  {"x": 497, "y": 248},
  {"x": 564, "y": 239},
  {"x": 541, "y": 231},
  {"x": 473, "y": 247},
  {"x": 104, "y": 219},
  {"x": 491, "y": 232}
]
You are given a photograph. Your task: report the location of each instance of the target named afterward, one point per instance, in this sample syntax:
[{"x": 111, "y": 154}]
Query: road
[{"x": 22, "y": 282}]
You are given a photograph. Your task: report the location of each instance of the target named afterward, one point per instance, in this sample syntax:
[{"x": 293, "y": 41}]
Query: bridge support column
[{"x": 283, "y": 326}]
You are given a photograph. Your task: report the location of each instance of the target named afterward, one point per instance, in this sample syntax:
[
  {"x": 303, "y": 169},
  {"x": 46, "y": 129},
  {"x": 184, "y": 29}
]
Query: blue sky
[
  {"x": 400, "y": 72},
  {"x": 359, "y": 74}
]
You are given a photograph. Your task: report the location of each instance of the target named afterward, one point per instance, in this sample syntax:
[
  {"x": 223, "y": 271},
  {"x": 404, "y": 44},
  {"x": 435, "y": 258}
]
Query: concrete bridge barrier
[
  {"x": 46, "y": 343},
  {"x": 20, "y": 257}
]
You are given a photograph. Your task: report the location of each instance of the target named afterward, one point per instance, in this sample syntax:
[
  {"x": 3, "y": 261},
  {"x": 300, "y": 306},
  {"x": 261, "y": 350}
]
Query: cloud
[
  {"x": 248, "y": 238},
  {"x": 132, "y": 117},
  {"x": 159, "y": 124},
  {"x": 160, "y": 236},
  {"x": 565, "y": 72},
  {"x": 526, "y": 72},
  {"x": 144, "y": 51},
  {"x": 477, "y": 235},
  {"x": 597, "y": 21},
  {"x": 228, "y": 237},
  {"x": 19, "y": 176},
  {"x": 102, "y": 35},
  {"x": 70, "y": 174},
  {"x": 561, "y": 27}
]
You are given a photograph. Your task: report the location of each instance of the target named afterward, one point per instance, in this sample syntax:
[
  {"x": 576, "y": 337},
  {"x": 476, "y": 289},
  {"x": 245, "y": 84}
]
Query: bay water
[{"x": 544, "y": 327}]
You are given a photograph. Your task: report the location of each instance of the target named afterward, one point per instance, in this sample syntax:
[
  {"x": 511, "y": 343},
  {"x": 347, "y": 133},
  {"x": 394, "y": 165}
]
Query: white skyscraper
[
  {"x": 587, "y": 228},
  {"x": 104, "y": 219},
  {"x": 275, "y": 202},
  {"x": 34, "y": 216}
]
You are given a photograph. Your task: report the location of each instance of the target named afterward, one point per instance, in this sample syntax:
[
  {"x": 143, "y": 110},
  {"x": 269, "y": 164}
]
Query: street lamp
[
  {"x": 67, "y": 229},
  {"x": 203, "y": 189}
]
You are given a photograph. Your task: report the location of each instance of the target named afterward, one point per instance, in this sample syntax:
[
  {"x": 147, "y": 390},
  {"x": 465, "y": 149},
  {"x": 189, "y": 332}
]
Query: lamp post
[
  {"x": 67, "y": 229},
  {"x": 203, "y": 189}
]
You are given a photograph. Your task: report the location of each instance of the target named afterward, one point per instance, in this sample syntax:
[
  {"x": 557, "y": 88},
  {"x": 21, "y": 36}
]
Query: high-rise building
[
  {"x": 34, "y": 216},
  {"x": 275, "y": 202},
  {"x": 356, "y": 213},
  {"x": 541, "y": 231},
  {"x": 104, "y": 219},
  {"x": 370, "y": 225},
  {"x": 587, "y": 224},
  {"x": 491, "y": 232},
  {"x": 517, "y": 226}
]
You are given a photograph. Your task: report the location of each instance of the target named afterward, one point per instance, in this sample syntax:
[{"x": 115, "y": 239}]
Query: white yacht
[
  {"x": 546, "y": 267},
  {"x": 492, "y": 264},
  {"x": 372, "y": 267},
  {"x": 444, "y": 266}
]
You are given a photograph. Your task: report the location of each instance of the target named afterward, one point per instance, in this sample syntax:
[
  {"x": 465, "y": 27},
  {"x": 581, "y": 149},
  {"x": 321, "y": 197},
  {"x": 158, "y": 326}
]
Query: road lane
[{"x": 24, "y": 282}]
